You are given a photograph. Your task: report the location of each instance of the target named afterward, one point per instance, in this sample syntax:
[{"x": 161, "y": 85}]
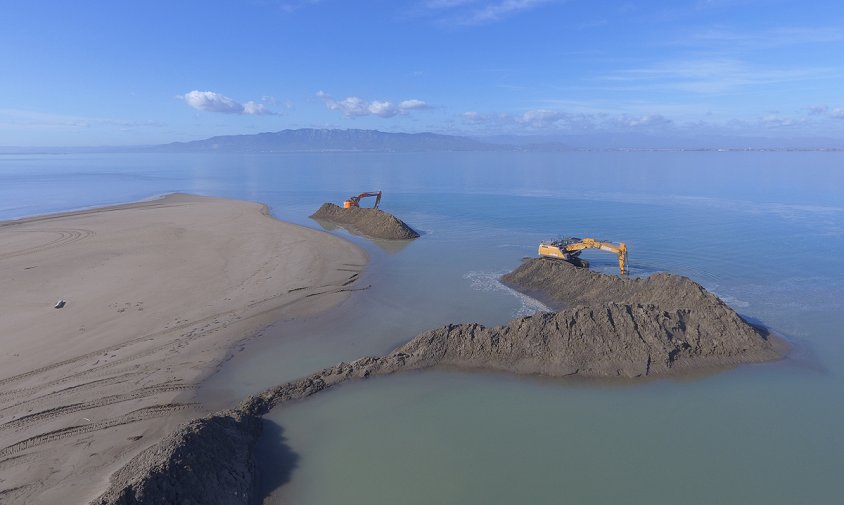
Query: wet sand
[{"x": 157, "y": 294}]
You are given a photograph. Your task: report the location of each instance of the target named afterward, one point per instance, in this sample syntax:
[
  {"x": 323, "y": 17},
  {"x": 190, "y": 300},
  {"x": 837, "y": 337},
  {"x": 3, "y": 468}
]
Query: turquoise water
[{"x": 765, "y": 231}]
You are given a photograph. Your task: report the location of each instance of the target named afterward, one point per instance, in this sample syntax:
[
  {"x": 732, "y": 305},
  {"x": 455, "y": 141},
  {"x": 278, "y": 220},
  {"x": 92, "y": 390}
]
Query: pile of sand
[
  {"x": 209, "y": 460},
  {"x": 371, "y": 222},
  {"x": 561, "y": 284},
  {"x": 614, "y": 326},
  {"x": 607, "y": 340}
]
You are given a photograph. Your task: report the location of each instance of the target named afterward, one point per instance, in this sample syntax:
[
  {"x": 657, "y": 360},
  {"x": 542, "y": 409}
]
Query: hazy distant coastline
[{"x": 336, "y": 140}]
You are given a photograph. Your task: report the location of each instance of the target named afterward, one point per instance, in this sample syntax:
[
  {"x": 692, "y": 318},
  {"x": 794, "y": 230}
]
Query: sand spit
[
  {"x": 668, "y": 324},
  {"x": 610, "y": 340},
  {"x": 371, "y": 222},
  {"x": 209, "y": 460},
  {"x": 157, "y": 293}
]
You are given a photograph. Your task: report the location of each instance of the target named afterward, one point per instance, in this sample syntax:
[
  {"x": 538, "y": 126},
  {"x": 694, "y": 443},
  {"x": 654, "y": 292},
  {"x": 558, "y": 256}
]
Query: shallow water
[
  {"x": 763, "y": 230},
  {"x": 464, "y": 438}
]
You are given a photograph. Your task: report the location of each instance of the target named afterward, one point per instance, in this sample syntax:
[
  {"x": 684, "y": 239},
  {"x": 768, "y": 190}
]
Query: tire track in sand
[
  {"x": 104, "y": 350},
  {"x": 108, "y": 381},
  {"x": 151, "y": 336},
  {"x": 71, "y": 431},
  {"x": 66, "y": 236},
  {"x": 49, "y": 414}
]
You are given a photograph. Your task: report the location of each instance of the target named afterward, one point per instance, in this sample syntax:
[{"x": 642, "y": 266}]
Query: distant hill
[
  {"x": 333, "y": 140},
  {"x": 310, "y": 140}
]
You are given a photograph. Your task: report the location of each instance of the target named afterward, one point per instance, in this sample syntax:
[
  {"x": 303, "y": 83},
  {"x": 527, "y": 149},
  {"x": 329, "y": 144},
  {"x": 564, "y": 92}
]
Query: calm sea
[{"x": 765, "y": 231}]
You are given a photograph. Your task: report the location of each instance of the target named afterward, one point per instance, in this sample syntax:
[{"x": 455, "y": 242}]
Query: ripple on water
[{"x": 489, "y": 281}]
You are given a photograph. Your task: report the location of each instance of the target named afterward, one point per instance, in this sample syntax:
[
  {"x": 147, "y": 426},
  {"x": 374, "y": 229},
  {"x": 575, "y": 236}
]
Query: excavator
[
  {"x": 571, "y": 247},
  {"x": 354, "y": 201}
]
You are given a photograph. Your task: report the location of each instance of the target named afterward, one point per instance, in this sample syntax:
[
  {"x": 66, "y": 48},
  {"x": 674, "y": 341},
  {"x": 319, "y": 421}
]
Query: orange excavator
[
  {"x": 570, "y": 247},
  {"x": 354, "y": 201}
]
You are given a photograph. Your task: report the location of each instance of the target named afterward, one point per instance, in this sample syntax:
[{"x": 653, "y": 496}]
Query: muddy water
[{"x": 763, "y": 230}]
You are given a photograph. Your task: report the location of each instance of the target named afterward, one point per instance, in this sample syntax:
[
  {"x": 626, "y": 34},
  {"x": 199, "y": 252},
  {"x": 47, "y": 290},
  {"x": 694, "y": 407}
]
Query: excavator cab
[
  {"x": 354, "y": 201},
  {"x": 570, "y": 247}
]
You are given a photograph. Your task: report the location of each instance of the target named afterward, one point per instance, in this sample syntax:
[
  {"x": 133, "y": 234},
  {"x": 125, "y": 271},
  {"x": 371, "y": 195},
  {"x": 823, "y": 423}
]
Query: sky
[{"x": 115, "y": 72}]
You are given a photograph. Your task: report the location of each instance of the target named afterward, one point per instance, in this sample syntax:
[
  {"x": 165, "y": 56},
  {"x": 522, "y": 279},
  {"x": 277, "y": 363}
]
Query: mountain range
[
  {"x": 335, "y": 140},
  {"x": 309, "y": 139}
]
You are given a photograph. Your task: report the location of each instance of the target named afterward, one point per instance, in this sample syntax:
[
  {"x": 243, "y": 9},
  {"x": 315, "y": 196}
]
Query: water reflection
[{"x": 275, "y": 460}]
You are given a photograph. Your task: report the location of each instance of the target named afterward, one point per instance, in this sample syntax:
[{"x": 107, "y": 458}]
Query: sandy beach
[{"x": 157, "y": 293}]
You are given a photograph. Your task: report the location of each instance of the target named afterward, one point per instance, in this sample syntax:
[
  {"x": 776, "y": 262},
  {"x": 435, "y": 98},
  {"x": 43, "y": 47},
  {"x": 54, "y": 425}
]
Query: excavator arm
[
  {"x": 354, "y": 201},
  {"x": 571, "y": 247}
]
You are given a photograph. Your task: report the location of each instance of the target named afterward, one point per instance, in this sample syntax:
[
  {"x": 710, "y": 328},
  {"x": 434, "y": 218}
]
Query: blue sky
[{"x": 115, "y": 72}]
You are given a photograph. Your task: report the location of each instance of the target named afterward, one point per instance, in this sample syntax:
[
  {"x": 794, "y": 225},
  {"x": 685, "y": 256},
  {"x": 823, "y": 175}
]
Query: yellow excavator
[
  {"x": 354, "y": 201},
  {"x": 571, "y": 247}
]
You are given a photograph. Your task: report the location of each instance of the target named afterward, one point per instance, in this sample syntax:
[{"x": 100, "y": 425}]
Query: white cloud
[
  {"x": 293, "y": 6},
  {"x": 472, "y": 117},
  {"x": 714, "y": 75},
  {"x": 499, "y": 10},
  {"x": 354, "y": 106},
  {"x": 643, "y": 122},
  {"x": 531, "y": 119},
  {"x": 383, "y": 109},
  {"x": 778, "y": 121},
  {"x": 447, "y": 4},
  {"x": 413, "y": 104},
  {"x": 545, "y": 120},
  {"x": 827, "y": 111},
  {"x": 476, "y": 12},
  {"x": 541, "y": 118},
  {"x": 210, "y": 101},
  {"x": 254, "y": 108},
  {"x": 746, "y": 40},
  {"x": 823, "y": 120},
  {"x": 25, "y": 119},
  {"x": 350, "y": 107}
]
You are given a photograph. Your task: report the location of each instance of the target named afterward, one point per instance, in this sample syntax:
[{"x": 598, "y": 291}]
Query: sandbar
[{"x": 156, "y": 294}]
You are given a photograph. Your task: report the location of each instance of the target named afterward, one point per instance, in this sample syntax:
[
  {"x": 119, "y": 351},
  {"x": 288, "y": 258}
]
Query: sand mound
[
  {"x": 209, "y": 460},
  {"x": 206, "y": 461},
  {"x": 374, "y": 223},
  {"x": 614, "y": 326},
  {"x": 564, "y": 285},
  {"x": 609, "y": 340}
]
